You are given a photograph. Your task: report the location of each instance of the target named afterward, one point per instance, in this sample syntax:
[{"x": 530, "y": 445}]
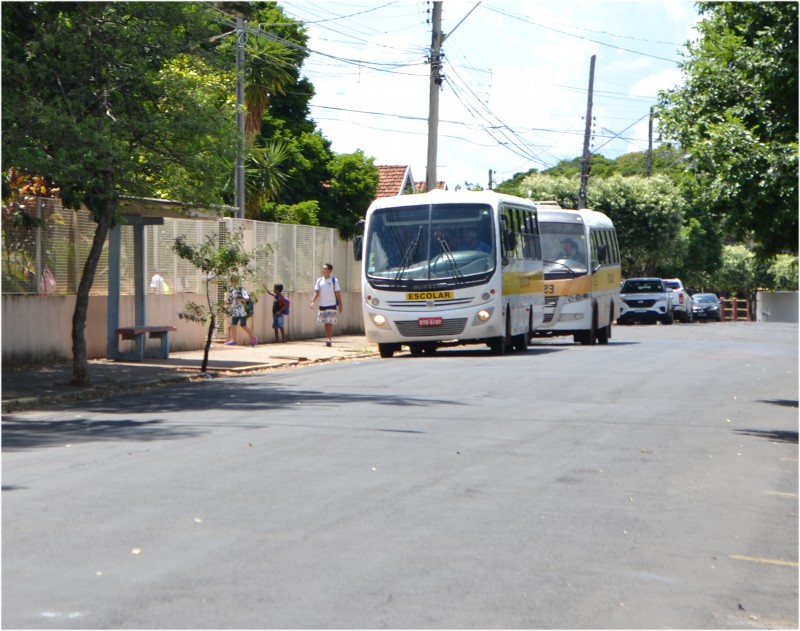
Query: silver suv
[{"x": 645, "y": 300}]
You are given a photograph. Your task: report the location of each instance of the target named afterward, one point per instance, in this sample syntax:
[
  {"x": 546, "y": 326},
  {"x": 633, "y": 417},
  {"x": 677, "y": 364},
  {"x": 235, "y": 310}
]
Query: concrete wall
[
  {"x": 776, "y": 306},
  {"x": 39, "y": 328}
]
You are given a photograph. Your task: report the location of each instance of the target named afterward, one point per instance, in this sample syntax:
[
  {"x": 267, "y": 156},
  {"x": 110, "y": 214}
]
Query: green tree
[
  {"x": 306, "y": 213},
  {"x": 354, "y": 182},
  {"x": 95, "y": 99},
  {"x": 736, "y": 117},
  {"x": 778, "y": 274},
  {"x": 562, "y": 189},
  {"x": 600, "y": 166},
  {"x": 666, "y": 160},
  {"x": 737, "y": 274},
  {"x": 275, "y": 49},
  {"x": 229, "y": 264},
  {"x": 266, "y": 174},
  {"x": 648, "y": 214}
]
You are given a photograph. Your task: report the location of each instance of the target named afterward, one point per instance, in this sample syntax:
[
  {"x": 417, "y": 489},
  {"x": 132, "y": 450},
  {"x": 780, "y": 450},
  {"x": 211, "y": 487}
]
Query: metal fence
[{"x": 49, "y": 259}]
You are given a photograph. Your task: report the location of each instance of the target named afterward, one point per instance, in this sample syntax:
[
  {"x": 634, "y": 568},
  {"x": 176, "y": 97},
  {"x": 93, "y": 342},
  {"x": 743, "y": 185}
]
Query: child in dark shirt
[{"x": 278, "y": 309}]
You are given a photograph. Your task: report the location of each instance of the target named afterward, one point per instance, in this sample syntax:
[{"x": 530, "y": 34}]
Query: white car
[
  {"x": 681, "y": 300},
  {"x": 645, "y": 300}
]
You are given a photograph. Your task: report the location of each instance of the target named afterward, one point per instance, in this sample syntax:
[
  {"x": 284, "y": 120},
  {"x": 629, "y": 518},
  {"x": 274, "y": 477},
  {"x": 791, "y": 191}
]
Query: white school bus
[
  {"x": 445, "y": 268},
  {"x": 582, "y": 273}
]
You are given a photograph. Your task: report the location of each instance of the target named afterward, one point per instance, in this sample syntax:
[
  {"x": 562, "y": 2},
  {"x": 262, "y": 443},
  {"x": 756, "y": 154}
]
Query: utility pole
[
  {"x": 241, "y": 37},
  {"x": 435, "y": 85},
  {"x": 491, "y": 183},
  {"x": 648, "y": 167},
  {"x": 437, "y": 39},
  {"x": 586, "y": 164}
]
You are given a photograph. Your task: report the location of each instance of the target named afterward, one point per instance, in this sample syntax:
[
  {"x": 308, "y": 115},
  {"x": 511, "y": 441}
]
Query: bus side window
[
  {"x": 593, "y": 238},
  {"x": 535, "y": 236}
]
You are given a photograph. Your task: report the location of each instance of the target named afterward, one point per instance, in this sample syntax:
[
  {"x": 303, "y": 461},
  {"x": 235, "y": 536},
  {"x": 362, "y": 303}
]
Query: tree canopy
[
  {"x": 648, "y": 213},
  {"x": 736, "y": 118},
  {"x": 109, "y": 99}
]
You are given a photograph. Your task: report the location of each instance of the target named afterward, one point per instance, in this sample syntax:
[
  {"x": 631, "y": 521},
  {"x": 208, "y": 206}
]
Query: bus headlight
[
  {"x": 379, "y": 320},
  {"x": 484, "y": 314},
  {"x": 577, "y": 297},
  {"x": 375, "y": 302}
]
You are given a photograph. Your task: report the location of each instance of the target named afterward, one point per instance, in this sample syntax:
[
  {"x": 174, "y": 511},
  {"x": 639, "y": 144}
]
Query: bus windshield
[
  {"x": 564, "y": 249},
  {"x": 430, "y": 242}
]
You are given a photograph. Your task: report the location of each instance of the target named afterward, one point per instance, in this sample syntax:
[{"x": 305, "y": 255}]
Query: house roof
[
  {"x": 394, "y": 180},
  {"x": 421, "y": 186}
]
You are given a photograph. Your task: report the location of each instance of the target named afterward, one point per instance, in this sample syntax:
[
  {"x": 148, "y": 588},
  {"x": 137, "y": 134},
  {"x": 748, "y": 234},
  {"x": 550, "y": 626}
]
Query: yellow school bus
[{"x": 582, "y": 273}]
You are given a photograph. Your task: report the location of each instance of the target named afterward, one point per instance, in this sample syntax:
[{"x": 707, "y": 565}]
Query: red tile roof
[
  {"x": 394, "y": 180},
  {"x": 420, "y": 186}
]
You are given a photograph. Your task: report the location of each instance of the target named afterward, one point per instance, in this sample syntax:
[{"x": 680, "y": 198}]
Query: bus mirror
[
  {"x": 602, "y": 253},
  {"x": 358, "y": 241}
]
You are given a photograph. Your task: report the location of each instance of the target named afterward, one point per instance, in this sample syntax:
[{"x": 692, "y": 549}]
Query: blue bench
[{"x": 138, "y": 333}]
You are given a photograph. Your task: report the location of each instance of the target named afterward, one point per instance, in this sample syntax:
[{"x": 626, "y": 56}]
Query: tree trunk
[
  {"x": 80, "y": 363},
  {"x": 211, "y": 327}
]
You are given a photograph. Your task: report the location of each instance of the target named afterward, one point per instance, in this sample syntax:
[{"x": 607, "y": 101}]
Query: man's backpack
[
  {"x": 248, "y": 305},
  {"x": 286, "y": 304}
]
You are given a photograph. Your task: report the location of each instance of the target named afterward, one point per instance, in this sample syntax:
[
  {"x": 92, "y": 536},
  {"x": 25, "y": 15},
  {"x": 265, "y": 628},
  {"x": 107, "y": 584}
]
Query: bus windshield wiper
[
  {"x": 410, "y": 254},
  {"x": 564, "y": 265},
  {"x": 447, "y": 254}
]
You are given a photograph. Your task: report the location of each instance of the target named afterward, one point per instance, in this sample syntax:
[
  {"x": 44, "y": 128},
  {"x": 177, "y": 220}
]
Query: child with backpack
[
  {"x": 280, "y": 308},
  {"x": 241, "y": 309}
]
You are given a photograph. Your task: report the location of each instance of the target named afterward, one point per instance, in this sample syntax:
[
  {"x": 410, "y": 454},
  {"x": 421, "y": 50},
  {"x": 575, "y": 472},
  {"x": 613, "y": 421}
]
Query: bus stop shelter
[{"x": 137, "y": 213}]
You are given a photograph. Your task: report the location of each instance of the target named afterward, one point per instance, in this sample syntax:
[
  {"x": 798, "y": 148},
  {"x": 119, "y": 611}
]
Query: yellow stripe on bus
[
  {"x": 517, "y": 283},
  {"x": 603, "y": 280}
]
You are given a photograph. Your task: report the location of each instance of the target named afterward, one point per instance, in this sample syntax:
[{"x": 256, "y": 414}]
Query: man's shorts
[
  {"x": 277, "y": 321},
  {"x": 240, "y": 320},
  {"x": 327, "y": 315}
]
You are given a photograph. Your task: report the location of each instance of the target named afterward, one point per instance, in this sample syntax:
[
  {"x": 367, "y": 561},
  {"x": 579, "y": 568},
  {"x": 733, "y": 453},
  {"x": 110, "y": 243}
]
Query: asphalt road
[{"x": 650, "y": 483}]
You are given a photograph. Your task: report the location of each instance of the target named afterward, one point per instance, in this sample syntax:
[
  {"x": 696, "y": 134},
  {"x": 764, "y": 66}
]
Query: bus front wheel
[
  {"x": 497, "y": 345},
  {"x": 587, "y": 338},
  {"x": 387, "y": 350},
  {"x": 604, "y": 334}
]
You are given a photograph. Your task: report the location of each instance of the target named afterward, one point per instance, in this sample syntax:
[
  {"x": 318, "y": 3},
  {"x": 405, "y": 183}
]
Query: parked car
[
  {"x": 645, "y": 300},
  {"x": 706, "y": 307},
  {"x": 681, "y": 300}
]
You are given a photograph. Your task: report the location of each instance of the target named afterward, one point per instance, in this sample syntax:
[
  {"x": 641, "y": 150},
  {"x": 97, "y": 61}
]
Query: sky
[{"x": 516, "y": 82}]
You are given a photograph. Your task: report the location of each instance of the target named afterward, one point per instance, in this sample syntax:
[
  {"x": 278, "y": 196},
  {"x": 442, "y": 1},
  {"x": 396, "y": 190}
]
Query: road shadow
[
  {"x": 18, "y": 435},
  {"x": 787, "y": 403},
  {"x": 188, "y": 411},
  {"x": 774, "y": 435}
]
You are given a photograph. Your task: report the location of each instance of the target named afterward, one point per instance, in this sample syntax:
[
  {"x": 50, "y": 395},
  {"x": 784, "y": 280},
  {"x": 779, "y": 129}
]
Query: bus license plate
[{"x": 430, "y": 321}]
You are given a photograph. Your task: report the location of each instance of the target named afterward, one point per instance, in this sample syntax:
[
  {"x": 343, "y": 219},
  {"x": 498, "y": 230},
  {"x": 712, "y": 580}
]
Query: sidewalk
[{"x": 45, "y": 385}]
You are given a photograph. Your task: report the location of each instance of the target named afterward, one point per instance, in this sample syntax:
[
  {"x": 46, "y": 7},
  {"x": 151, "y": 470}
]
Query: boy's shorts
[
  {"x": 327, "y": 315},
  {"x": 240, "y": 320},
  {"x": 277, "y": 321}
]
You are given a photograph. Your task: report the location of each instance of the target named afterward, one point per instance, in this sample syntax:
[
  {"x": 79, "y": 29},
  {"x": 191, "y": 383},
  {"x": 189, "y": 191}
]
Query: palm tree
[
  {"x": 265, "y": 174},
  {"x": 270, "y": 70}
]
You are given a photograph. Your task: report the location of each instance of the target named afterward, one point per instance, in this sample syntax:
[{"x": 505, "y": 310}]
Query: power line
[{"x": 594, "y": 41}]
